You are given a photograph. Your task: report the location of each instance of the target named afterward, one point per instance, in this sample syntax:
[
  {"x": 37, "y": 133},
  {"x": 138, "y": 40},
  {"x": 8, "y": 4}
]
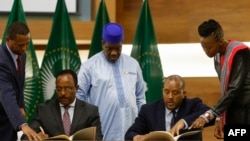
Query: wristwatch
[{"x": 208, "y": 115}]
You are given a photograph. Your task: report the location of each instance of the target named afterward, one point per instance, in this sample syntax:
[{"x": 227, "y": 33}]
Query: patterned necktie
[
  {"x": 173, "y": 119},
  {"x": 19, "y": 65},
  {"x": 66, "y": 121}
]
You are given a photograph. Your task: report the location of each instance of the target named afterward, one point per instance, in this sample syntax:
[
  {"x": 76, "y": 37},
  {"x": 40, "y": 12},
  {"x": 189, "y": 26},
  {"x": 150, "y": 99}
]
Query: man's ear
[
  {"x": 184, "y": 93},
  {"x": 103, "y": 42},
  {"x": 77, "y": 87},
  {"x": 8, "y": 41},
  {"x": 7, "y": 38},
  {"x": 222, "y": 42}
]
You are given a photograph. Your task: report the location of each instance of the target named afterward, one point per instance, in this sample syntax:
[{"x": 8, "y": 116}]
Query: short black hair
[
  {"x": 176, "y": 78},
  {"x": 68, "y": 71},
  {"x": 17, "y": 28},
  {"x": 211, "y": 28}
]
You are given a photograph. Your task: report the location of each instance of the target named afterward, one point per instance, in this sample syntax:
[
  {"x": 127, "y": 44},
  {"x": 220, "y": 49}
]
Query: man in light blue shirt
[{"x": 113, "y": 81}]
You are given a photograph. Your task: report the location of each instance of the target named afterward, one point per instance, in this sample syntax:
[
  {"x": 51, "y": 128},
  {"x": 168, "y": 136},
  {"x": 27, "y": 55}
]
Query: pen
[{"x": 42, "y": 129}]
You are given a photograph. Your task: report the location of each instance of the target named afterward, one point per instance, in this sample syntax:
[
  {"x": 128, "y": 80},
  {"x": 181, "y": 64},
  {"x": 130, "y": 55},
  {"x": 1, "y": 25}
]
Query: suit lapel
[
  {"x": 12, "y": 65},
  {"x": 182, "y": 109},
  {"x": 23, "y": 67},
  {"x": 14, "y": 71},
  {"x": 161, "y": 107},
  {"x": 78, "y": 113},
  {"x": 57, "y": 116}
]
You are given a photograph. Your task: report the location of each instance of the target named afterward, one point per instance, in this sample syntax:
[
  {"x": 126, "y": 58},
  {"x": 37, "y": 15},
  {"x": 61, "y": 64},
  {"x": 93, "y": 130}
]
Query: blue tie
[{"x": 173, "y": 119}]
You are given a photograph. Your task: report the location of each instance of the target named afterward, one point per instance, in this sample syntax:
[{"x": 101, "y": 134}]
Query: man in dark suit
[
  {"x": 174, "y": 113},
  {"x": 50, "y": 117},
  {"x": 12, "y": 74}
]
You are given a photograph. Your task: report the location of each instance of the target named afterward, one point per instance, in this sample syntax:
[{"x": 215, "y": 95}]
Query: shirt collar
[
  {"x": 13, "y": 55},
  {"x": 169, "y": 111},
  {"x": 71, "y": 104}
]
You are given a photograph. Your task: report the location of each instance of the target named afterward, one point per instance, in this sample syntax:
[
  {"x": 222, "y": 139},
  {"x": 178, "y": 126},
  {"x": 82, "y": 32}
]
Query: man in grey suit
[{"x": 50, "y": 115}]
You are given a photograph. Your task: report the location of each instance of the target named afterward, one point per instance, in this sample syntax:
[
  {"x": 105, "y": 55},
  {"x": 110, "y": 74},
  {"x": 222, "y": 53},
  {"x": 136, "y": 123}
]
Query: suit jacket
[
  {"x": 152, "y": 117},
  {"x": 49, "y": 117},
  {"x": 236, "y": 99},
  {"x": 11, "y": 95}
]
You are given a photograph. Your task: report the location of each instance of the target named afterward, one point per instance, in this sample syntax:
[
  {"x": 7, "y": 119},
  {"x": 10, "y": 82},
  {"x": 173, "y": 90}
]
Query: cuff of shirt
[
  {"x": 186, "y": 125},
  {"x": 20, "y": 127}
]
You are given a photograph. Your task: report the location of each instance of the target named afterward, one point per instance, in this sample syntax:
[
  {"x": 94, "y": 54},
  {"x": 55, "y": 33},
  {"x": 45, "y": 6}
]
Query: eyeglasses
[{"x": 66, "y": 89}]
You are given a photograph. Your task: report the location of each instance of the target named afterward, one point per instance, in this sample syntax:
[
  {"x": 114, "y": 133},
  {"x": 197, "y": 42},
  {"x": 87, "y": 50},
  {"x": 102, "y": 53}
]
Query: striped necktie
[{"x": 66, "y": 120}]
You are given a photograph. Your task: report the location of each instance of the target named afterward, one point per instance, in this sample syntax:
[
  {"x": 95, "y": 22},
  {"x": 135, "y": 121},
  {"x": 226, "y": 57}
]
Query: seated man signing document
[
  {"x": 52, "y": 119},
  {"x": 172, "y": 113}
]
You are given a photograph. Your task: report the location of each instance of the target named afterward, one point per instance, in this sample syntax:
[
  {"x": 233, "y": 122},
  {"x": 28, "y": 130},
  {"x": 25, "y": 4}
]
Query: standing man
[
  {"x": 174, "y": 112},
  {"x": 232, "y": 63},
  {"x": 113, "y": 81},
  {"x": 12, "y": 75}
]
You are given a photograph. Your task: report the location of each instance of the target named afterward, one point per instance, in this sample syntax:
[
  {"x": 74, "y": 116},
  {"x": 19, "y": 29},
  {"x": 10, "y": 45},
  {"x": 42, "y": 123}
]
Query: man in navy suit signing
[{"x": 174, "y": 113}]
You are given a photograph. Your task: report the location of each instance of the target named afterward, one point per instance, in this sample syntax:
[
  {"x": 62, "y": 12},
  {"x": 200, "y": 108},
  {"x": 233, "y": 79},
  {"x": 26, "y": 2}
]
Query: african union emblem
[
  {"x": 54, "y": 61},
  {"x": 33, "y": 94},
  {"x": 61, "y": 52},
  {"x": 150, "y": 63}
]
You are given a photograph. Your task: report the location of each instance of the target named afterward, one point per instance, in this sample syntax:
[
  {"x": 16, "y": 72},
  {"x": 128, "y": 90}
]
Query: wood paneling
[
  {"x": 40, "y": 29},
  {"x": 176, "y": 21},
  {"x": 208, "y": 89},
  {"x": 111, "y": 8}
]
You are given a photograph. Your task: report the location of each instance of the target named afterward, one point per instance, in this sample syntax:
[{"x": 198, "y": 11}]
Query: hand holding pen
[{"x": 42, "y": 134}]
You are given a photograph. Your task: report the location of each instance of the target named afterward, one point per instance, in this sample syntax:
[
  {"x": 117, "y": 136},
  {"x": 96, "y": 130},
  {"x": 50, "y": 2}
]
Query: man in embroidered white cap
[{"x": 113, "y": 81}]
